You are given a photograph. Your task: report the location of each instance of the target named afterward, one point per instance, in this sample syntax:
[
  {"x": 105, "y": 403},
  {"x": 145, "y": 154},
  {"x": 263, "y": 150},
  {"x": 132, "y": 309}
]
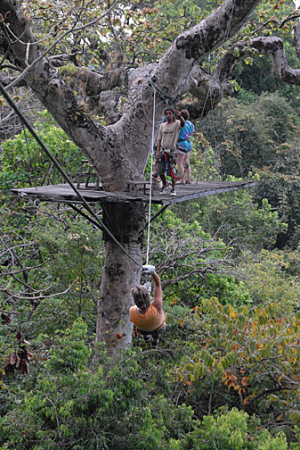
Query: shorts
[
  {"x": 182, "y": 151},
  {"x": 156, "y": 334}
]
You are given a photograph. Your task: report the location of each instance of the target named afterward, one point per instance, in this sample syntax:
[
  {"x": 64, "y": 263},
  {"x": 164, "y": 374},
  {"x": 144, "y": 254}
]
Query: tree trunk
[{"x": 126, "y": 221}]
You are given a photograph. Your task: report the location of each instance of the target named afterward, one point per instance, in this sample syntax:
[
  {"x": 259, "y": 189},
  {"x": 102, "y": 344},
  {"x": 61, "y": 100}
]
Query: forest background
[{"x": 226, "y": 374}]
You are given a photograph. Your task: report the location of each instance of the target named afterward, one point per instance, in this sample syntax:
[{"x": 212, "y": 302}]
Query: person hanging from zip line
[
  {"x": 148, "y": 317},
  {"x": 167, "y": 141},
  {"x": 184, "y": 148}
]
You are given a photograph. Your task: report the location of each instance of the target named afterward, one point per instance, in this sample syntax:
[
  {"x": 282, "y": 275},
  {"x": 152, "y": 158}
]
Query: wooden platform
[{"x": 63, "y": 193}]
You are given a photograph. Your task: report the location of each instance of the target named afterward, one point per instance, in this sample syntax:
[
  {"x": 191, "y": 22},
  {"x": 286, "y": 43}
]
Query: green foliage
[
  {"x": 267, "y": 279},
  {"x": 280, "y": 185},
  {"x": 25, "y": 164},
  {"x": 75, "y": 256},
  {"x": 246, "y": 136},
  {"x": 232, "y": 216},
  {"x": 243, "y": 357},
  {"x": 233, "y": 430},
  {"x": 261, "y": 136},
  {"x": 71, "y": 405},
  {"x": 184, "y": 254}
]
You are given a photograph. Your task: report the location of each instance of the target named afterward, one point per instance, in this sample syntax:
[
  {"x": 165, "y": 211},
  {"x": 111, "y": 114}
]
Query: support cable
[{"x": 64, "y": 175}]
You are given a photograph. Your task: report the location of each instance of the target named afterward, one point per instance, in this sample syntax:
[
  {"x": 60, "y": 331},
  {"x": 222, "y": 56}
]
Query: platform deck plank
[{"x": 64, "y": 193}]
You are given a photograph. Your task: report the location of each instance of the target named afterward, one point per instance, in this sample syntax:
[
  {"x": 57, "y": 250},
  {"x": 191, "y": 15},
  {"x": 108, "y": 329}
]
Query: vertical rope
[{"x": 150, "y": 195}]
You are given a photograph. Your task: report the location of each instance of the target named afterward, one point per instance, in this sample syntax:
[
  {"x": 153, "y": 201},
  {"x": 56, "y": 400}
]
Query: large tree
[{"x": 119, "y": 151}]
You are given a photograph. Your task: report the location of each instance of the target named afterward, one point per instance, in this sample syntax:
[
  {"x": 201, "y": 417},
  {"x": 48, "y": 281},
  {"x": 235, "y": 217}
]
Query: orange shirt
[{"x": 149, "y": 321}]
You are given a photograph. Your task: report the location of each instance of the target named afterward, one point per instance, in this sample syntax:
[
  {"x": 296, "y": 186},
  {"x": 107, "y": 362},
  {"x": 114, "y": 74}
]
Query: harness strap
[
  {"x": 170, "y": 169},
  {"x": 160, "y": 327},
  {"x": 182, "y": 140}
]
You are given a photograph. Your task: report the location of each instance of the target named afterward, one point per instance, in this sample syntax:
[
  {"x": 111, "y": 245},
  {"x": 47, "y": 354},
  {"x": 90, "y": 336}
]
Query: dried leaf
[
  {"x": 19, "y": 335},
  {"x": 29, "y": 355},
  {"x": 232, "y": 377},
  {"x": 19, "y": 360},
  {"x": 8, "y": 368},
  {"x": 13, "y": 359},
  {"x": 24, "y": 369}
]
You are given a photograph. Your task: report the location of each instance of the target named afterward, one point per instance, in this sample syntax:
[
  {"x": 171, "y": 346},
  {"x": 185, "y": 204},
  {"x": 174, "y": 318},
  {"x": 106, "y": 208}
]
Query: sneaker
[
  {"x": 164, "y": 190},
  {"x": 173, "y": 193}
]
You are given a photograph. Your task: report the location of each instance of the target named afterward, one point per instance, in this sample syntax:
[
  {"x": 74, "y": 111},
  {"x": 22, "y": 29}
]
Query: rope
[
  {"x": 65, "y": 176},
  {"x": 150, "y": 195}
]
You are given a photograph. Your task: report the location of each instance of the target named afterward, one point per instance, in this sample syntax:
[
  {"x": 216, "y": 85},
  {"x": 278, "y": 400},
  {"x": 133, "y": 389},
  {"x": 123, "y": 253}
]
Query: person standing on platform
[
  {"x": 184, "y": 148},
  {"x": 167, "y": 141}
]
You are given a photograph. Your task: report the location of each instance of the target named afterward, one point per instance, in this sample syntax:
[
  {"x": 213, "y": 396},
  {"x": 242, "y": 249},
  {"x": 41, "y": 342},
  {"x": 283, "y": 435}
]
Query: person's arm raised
[{"x": 157, "y": 301}]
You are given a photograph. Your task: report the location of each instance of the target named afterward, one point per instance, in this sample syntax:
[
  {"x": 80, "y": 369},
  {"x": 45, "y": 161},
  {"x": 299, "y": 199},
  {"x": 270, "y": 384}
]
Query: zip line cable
[{"x": 100, "y": 224}]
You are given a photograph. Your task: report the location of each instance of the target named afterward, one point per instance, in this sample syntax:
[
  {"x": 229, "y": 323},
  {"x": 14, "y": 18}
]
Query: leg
[
  {"x": 160, "y": 170},
  {"x": 172, "y": 165},
  {"x": 180, "y": 159},
  {"x": 146, "y": 335},
  {"x": 156, "y": 335},
  {"x": 187, "y": 163},
  {"x": 163, "y": 179}
]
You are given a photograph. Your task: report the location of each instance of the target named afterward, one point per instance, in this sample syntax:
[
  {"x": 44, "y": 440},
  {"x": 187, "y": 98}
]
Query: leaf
[
  {"x": 280, "y": 378},
  {"x": 118, "y": 336},
  {"x": 246, "y": 400},
  {"x": 244, "y": 381}
]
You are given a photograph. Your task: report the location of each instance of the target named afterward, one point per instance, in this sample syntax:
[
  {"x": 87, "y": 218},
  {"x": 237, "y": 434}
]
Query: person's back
[{"x": 147, "y": 316}]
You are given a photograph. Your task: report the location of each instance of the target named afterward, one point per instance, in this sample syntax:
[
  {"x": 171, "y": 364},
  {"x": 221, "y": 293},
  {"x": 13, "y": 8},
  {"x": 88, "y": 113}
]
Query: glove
[{"x": 148, "y": 270}]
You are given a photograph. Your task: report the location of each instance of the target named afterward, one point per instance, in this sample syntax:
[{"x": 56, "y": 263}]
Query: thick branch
[
  {"x": 275, "y": 47},
  {"x": 194, "y": 44}
]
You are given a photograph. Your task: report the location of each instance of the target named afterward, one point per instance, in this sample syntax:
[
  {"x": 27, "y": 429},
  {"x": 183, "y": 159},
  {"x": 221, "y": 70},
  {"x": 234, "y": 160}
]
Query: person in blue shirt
[{"x": 185, "y": 147}]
